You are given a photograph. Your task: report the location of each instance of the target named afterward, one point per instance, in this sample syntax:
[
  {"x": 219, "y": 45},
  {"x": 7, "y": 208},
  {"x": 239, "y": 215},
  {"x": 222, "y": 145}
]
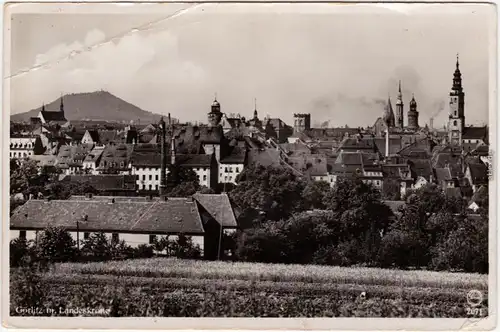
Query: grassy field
[{"x": 171, "y": 287}]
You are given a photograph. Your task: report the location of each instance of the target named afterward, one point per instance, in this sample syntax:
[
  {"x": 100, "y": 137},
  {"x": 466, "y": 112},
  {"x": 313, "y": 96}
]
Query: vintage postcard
[{"x": 201, "y": 165}]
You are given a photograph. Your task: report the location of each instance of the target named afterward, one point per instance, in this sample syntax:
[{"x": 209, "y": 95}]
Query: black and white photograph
[{"x": 243, "y": 160}]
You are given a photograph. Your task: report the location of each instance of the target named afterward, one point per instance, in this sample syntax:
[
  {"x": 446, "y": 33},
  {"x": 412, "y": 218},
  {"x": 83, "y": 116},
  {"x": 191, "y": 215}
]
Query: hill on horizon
[{"x": 97, "y": 105}]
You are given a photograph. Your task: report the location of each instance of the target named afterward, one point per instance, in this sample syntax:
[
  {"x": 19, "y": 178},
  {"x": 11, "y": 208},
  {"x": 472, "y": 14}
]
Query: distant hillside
[{"x": 99, "y": 105}]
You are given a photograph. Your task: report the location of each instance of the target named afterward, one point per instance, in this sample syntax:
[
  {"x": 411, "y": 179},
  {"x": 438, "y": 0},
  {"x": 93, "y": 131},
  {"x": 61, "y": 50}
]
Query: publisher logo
[{"x": 474, "y": 298}]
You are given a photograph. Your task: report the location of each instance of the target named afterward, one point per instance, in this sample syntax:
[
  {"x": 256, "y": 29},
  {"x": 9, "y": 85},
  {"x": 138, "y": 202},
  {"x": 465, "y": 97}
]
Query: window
[
  {"x": 150, "y": 177},
  {"x": 22, "y": 234},
  {"x": 230, "y": 169},
  {"x": 86, "y": 235},
  {"x": 144, "y": 177},
  {"x": 156, "y": 187},
  {"x": 455, "y": 122},
  {"x": 225, "y": 169},
  {"x": 156, "y": 177},
  {"x": 225, "y": 178},
  {"x": 237, "y": 169},
  {"x": 152, "y": 239},
  {"x": 150, "y": 187},
  {"x": 204, "y": 178},
  {"x": 220, "y": 175},
  {"x": 115, "y": 238},
  {"x": 122, "y": 164}
]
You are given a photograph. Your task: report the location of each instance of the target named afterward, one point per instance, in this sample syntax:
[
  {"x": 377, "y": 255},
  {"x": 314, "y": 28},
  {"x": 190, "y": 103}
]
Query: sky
[{"x": 338, "y": 62}]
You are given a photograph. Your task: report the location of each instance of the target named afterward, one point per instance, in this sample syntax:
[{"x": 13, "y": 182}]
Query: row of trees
[
  {"x": 55, "y": 244},
  {"x": 288, "y": 220}
]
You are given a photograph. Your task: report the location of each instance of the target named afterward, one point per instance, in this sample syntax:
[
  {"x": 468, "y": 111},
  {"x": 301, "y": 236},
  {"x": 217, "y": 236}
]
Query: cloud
[{"x": 340, "y": 70}]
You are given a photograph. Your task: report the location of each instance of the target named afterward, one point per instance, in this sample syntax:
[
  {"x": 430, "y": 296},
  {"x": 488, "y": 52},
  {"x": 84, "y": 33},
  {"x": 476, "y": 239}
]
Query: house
[
  {"x": 278, "y": 129},
  {"x": 444, "y": 178},
  {"x": 91, "y": 161},
  {"x": 107, "y": 184},
  {"x": 218, "y": 219},
  {"x": 70, "y": 158},
  {"x": 477, "y": 174},
  {"x": 475, "y": 135},
  {"x": 397, "y": 179},
  {"x": 22, "y": 146},
  {"x": 232, "y": 165},
  {"x": 145, "y": 162},
  {"x": 478, "y": 199},
  {"x": 91, "y": 136},
  {"x": 115, "y": 159},
  {"x": 135, "y": 220}
]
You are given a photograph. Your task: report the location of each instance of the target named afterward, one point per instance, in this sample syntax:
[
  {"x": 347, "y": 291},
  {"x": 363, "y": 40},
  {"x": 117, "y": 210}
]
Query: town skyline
[{"x": 176, "y": 73}]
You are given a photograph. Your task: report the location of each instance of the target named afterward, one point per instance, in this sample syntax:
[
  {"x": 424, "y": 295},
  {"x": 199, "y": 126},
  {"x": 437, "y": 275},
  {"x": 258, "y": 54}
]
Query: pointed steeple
[
  {"x": 457, "y": 78},
  {"x": 388, "y": 116},
  {"x": 255, "y": 115},
  {"x": 399, "y": 101}
]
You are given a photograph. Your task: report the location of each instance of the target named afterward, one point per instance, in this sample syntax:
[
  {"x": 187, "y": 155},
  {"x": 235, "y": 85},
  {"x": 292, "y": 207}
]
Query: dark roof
[
  {"x": 150, "y": 155},
  {"x": 109, "y": 136},
  {"x": 481, "y": 150},
  {"x": 237, "y": 155},
  {"x": 56, "y": 116},
  {"x": 190, "y": 135},
  {"x": 358, "y": 144},
  {"x": 176, "y": 215},
  {"x": 219, "y": 207},
  {"x": 395, "y": 170},
  {"x": 312, "y": 164},
  {"x": 453, "y": 192},
  {"x": 395, "y": 144},
  {"x": 446, "y": 158},
  {"x": 116, "y": 154},
  {"x": 478, "y": 173},
  {"x": 356, "y": 158},
  {"x": 421, "y": 167},
  {"x": 94, "y": 134},
  {"x": 443, "y": 174},
  {"x": 75, "y": 135},
  {"x": 338, "y": 133},
  {"x": 105, "y": 181},
  {"x": 94, "y": 155},
  {"x": 265, "y": 157},
  {"x": 475, "y": 133}
]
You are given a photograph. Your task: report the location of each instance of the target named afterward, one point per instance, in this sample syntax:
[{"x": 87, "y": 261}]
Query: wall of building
[
  {"x": 149, "y": 178},
  {"x": 133, "y": 240},
  {"x": 21, "y": 147},
  {"x": 229, "y": 172}
]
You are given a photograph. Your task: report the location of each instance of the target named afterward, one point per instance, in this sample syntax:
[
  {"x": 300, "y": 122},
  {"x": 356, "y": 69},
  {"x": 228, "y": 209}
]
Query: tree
[
  {"x": 178, "y": 174},
  {"x": 183, "y": 190},
  {"x": 361, "y": 214},
  {"x": 65, "y": 189},
  {"x": 314, "y": 194},
  {"x": 56, "y": 245},
  {"x": 275, "y": 192}
]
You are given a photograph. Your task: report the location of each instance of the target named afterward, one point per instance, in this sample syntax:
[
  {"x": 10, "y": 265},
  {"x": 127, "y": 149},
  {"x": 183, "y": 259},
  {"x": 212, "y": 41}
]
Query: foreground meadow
[{"x": 173, "y": 287}]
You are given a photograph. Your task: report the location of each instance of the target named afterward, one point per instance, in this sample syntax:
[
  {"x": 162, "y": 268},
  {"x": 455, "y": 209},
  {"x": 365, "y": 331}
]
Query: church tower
[
  {"x": 456, "y": 116},
  {"x": 399, "y": 109},
  {"x": 413, "y": 114},
  {"x": 215, "y": 115}
]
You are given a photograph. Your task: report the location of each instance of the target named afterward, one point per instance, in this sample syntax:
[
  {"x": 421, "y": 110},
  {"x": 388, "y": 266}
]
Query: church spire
[
  {"x": 457, "y": 78},
  {"x": 255, "y": 116},
  {"x": 61, "y": 105}
]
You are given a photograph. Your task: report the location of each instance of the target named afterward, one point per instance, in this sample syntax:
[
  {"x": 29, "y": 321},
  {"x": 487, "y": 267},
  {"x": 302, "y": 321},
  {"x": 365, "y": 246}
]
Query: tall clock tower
[{"x": 456, "y": 117}]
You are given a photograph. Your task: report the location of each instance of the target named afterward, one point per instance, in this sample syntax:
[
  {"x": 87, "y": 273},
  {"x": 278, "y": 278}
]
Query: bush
[
  {"x": 56, "y": 245},
  {"x": 19, "y": 248}
]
